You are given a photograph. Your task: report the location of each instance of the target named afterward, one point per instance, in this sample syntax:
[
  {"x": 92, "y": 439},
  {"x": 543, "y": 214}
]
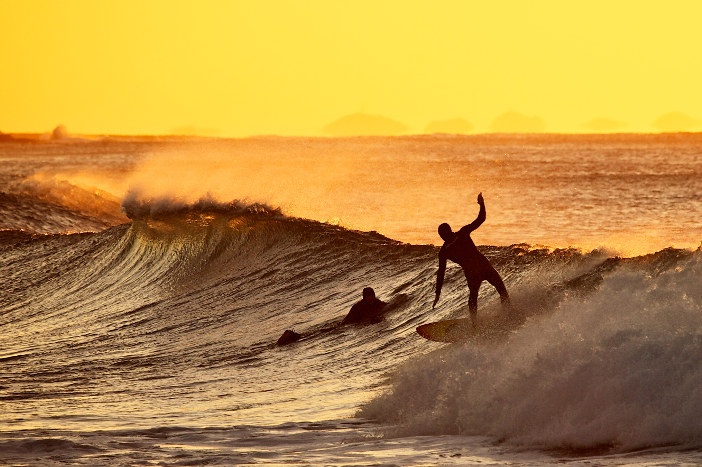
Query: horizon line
[{"x": 47, "y": 136}]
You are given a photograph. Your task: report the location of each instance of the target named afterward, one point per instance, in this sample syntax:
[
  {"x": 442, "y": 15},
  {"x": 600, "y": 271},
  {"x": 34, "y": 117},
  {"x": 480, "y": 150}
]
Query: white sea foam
[{"x": 618, "y": 368}]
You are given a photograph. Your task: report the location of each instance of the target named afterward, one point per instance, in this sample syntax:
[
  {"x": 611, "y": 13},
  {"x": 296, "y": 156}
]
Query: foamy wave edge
[
  {"x": 617, "y": 369},
  {"x": 137, "y": 207}
]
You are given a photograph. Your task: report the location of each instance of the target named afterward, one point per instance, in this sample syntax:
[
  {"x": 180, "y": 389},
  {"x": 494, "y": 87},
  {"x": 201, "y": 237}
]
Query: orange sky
[{"x": 251, "y": 67}]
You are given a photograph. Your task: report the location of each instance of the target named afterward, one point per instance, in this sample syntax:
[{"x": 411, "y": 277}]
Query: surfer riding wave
[{"x": 460, "y": 248}]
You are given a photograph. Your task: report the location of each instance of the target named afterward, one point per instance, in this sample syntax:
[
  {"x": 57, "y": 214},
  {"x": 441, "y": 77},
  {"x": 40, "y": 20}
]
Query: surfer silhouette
[
  {"x": 459, "y": 248},
  {"x": 367, "y": 310}
]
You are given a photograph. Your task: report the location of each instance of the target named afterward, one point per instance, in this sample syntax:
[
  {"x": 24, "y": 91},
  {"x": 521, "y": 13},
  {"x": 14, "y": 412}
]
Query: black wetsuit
[
  {"x": 365, "y": 312},
  {"x": 476, "y": 266}
]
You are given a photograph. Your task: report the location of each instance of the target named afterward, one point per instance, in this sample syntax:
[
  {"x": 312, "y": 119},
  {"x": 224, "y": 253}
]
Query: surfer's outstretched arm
[
  {"x": 440, "y": 276},
  {"x": 467, "y": 229}
]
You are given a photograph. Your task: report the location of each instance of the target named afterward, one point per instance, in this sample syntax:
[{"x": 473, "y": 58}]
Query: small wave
[
  {"x": 12, "y": 237},
  {"x": 49, "y": 204},
  {"x": 39, "y": 446}
]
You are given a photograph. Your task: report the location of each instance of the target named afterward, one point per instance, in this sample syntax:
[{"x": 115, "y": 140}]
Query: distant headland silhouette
[{"x": 363, "y": 124}]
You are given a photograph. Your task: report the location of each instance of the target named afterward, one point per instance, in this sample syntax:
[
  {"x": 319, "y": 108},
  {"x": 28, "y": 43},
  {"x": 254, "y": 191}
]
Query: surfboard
[
  {"x": 449, "y": 330},
  {"x": 458, "y": 330}
]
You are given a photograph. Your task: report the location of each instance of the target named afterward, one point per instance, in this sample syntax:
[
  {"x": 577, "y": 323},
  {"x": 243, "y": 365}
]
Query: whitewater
[{"x": 144, "y": 283}]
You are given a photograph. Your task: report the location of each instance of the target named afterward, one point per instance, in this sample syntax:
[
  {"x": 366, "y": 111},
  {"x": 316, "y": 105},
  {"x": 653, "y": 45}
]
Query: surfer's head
[
  {"x": 445, "y": 232},
  {"x": 368, "y": 293}
]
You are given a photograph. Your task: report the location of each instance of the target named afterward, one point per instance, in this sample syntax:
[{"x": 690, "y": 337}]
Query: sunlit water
[{"x": 153, "y": 340}]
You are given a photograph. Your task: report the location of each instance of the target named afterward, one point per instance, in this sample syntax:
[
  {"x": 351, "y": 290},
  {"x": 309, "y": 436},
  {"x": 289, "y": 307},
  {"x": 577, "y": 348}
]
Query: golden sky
[{"x": 252, "y": 67}]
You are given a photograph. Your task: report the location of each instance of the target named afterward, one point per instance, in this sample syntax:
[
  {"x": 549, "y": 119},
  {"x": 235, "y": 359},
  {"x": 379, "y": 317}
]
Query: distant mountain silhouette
[
  {"x": 360, "y": 124},
  {"x": 604, "y": 125},
  {"x": 677, "y": 121},
  {"x": 455, "y": 126},
  {"x": 515, "y": 122}
]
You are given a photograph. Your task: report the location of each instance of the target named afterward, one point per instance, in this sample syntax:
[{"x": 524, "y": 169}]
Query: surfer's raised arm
[{"x": 467, "y": 229}]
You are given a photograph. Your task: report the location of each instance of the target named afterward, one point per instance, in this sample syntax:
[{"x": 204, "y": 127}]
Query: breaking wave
[{"x": 615, "y": 368}]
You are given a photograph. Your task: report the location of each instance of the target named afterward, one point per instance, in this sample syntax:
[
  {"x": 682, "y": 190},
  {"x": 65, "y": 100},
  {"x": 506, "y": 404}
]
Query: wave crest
[{"x": 137, "y": 207}]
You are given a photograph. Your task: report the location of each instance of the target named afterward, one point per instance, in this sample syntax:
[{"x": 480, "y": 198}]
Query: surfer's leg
[
  {"x": 473, "y": 288},
  {"x": 494, "y": 279}
]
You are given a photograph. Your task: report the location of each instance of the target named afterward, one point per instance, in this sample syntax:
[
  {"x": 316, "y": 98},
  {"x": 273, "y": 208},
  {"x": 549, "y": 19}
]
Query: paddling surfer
[
  {"x": 367, "y": 310},
  {"x": 459, "y": 248}
]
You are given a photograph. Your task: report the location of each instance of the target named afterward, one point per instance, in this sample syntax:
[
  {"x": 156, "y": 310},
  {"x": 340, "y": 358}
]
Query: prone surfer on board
[{"x": 459, "y": 248}]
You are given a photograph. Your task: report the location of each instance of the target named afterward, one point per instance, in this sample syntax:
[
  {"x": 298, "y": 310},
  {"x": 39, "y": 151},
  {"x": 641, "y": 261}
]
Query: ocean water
[{"x": 144, "y": 283}]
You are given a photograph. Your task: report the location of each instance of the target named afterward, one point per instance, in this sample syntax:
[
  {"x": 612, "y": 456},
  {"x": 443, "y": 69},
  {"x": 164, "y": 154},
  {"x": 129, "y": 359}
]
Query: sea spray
[
  {"x": 136, "y": 207},
  {"x": 617, "y": 368}
]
